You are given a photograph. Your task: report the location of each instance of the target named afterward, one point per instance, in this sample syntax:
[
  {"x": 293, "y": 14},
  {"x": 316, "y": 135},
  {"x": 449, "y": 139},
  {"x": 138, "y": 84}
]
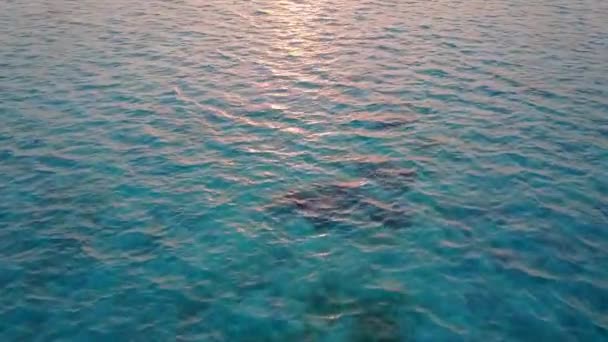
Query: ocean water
[{"x": 304, "y": 170}]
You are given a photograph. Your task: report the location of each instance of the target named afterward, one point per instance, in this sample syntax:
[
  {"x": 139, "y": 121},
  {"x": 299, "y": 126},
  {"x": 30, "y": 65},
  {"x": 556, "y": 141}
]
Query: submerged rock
[
  {"x": 395, "y": 178},
  {"x": 380, "y": 121},
  {"x": 322, "y": 205},
  {"x": 361, "y": 203},
  {"x": 341, "y": 205},
  {"x": 384, "y": 172},
  {"x": 365, "y": 314}
]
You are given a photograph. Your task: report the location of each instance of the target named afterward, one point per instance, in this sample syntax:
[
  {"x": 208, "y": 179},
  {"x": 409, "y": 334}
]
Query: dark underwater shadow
[
  {"x": 341, "y": 206},
  {"x": 360, "y": 312}
]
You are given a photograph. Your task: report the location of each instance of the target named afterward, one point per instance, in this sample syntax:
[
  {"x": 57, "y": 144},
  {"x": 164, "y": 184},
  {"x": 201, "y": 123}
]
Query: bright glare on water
[{"x": 304, "y": 170}]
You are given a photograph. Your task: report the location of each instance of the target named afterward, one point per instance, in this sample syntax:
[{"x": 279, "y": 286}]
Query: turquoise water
[{"x": 304, "y": 170}]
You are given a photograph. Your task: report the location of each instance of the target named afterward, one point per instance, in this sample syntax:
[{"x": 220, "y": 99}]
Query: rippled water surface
[{"x": 317, "y": 170}]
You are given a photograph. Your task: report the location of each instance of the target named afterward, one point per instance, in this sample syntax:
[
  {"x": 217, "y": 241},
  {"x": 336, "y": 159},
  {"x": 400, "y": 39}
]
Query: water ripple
[{"x": 303, "y": 170}]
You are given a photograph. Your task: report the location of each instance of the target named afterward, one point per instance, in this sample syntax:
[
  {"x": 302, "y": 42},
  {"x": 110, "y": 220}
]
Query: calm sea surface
[{"x": 306, "y": 170}]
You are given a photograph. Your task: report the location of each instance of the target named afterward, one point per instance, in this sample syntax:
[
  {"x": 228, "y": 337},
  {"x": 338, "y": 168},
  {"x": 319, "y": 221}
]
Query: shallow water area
[{"x": 312, "y": 170}]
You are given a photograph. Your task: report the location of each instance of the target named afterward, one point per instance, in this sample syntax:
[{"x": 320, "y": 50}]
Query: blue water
[{"x": 303, "y": 170}]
